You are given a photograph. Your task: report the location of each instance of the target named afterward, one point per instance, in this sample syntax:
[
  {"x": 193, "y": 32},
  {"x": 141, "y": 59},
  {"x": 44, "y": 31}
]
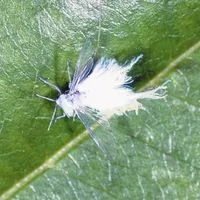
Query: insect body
[
  {"x": 98, "y": 90},
  {"x": 67, "y": 102}
]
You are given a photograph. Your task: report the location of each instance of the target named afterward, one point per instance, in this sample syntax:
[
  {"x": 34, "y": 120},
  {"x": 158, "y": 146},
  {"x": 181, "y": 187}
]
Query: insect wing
[
  {"x": 87, "y": 120},
  {"x": 84, "y": 65}
]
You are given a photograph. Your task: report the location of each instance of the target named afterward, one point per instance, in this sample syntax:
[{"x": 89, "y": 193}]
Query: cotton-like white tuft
[{"x": 105, "y": 89}]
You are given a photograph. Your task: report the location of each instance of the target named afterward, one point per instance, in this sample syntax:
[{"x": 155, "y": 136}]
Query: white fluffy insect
[{"x": 99, "y": 90}]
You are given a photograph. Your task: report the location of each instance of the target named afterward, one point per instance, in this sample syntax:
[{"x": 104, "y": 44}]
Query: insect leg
[
  {"x": 43, "y": 97},
  {"x": 52, "y": 118},
  {"x": 60, "y": 117}
]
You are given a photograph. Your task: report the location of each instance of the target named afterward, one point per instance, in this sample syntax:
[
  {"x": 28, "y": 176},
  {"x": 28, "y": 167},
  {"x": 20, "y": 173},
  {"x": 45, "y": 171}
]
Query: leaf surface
[{"x": 153, "y": 155}]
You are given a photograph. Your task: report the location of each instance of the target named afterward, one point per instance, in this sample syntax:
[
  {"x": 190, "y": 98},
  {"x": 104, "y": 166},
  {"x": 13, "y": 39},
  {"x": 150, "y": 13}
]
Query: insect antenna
[
  {"x": 49, "y": 99},
  {"x": 46, "y": 98},
  {"x": 53, "y": 117},
  {"x": 51, "y": 85}
]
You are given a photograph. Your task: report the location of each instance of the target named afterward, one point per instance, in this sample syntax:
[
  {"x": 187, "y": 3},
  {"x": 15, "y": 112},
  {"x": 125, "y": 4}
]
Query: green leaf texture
[{"x": 153, "y": 155}]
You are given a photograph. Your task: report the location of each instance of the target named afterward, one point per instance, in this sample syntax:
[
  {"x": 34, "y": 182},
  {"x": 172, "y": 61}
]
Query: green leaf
[{"x": 153, "y": 155}]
